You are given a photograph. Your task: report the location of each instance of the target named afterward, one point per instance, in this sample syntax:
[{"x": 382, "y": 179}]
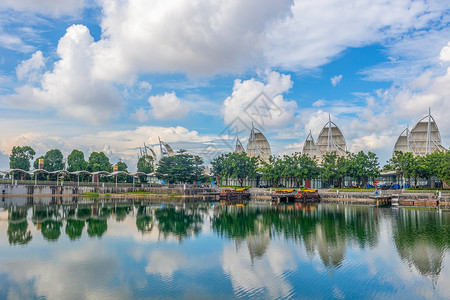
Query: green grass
[
  {"x": 236, "y": 186},
  {"x": 351, "y": 190}
]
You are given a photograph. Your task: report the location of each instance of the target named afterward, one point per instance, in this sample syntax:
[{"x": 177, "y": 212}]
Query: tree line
[
  {"x": 414, "y": 167},
  {"x": 183, "y": 167},
  {"x": 332, "y": 169}
]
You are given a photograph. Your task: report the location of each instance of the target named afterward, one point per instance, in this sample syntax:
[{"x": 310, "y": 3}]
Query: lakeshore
[{"x": 189, "y": 193}]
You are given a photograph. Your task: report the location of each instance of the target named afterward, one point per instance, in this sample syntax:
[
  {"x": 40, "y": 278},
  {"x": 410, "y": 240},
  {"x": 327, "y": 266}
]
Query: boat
[
  {"x": 229, "y": 194},
  {"x": 307, "y": 195},
  {"x": 286, "y": 195}
]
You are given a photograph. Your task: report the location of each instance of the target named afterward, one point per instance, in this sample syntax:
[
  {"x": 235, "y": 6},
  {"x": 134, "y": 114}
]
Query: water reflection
[
  {"x": 256, "y": 251},
  {"x": 18, "y": 233},
  {"x": 421, "y": 238}
]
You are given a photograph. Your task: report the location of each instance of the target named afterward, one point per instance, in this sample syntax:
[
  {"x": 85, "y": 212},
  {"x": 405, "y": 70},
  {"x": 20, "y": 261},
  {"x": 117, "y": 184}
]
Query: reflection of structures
[
  {"x": 234, "y": 222},
  {"x": 421, "y": 238},
  {"x": 18, "y": 233},
  {"x": 180, "y": 223},
  {"x": 121, "y": 212},
  {"x": 144, "y": 219},
  {"x": 48, "y": 220},
  {"x": 324, "y": 230},
  {"x": 331, "y": 248},
  {"x": 258, "y": 242},
  {"x": 96, "y": 227},
  {"x": 74, "y": 228},
  {"x": 51, "y": 230}
]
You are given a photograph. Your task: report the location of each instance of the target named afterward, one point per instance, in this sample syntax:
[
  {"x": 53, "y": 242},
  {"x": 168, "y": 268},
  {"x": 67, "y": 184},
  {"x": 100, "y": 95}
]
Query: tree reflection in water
[
  {"x": 74, "y": 228},
  {"x": 51, "y": 230},
  {"x": 324, "y": 230},
  {"x": 18, "y": 233},
  {"x": 144, "y": 221},
  {"x": 421, "y": 238},
  {"x": 178, "y": 222}
]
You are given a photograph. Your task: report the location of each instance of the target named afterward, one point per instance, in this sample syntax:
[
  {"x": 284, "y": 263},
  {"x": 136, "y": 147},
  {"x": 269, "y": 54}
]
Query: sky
[{"x": 111, "y": 75}]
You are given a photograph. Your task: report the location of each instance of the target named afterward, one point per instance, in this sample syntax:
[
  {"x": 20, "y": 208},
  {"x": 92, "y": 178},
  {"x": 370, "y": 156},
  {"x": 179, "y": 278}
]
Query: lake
[{"x": 130, "y": 249}]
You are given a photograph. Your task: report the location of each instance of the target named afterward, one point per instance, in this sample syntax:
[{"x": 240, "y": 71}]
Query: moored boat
[
  {"x": 307, "y": 195},
  {"x": 235, "y": 194},
  {"x": 280, "y": 196}
]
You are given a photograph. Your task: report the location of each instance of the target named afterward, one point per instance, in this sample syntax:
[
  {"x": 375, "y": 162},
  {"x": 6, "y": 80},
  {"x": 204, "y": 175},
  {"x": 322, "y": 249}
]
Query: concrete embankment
[
  {"x": 46, "y": 190},
  {"x": 405, "y": 199}
]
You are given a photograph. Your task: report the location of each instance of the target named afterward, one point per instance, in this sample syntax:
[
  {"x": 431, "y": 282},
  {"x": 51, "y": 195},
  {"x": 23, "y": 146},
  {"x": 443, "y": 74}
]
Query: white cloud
[
  {"x": 319, "y": 103},
  {"x": 70, "y": 88},
  {"x": 31, "y": 69},
  {"x": 315, "y": 32},
  {"x": 261, "y": 102},
  {"x": 13, "y": 42},
  {"x": 45, "y": 7},
  {"x": 445, "y": 53},
  {"x": 336, "y": 79},
  {"x": 167, "y": 107},
  {"x": 140, "y": 115},
  {"x": 187, "y": 36},
  {"x": 118, "y": 144}
]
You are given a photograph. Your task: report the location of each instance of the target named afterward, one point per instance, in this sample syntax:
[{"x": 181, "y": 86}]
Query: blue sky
[{"x": 111, "y": 75}]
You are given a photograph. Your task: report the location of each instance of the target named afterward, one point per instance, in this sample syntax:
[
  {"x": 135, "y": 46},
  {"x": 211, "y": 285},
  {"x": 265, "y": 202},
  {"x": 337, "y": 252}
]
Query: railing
[{"x": 95, "y": 184}]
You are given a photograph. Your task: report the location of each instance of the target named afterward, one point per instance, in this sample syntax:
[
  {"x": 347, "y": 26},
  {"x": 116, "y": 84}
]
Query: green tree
[
  {"x": 363, "y": 166},
  {"x": 183, "y": 167},
  {"x": 220, "y": 167},
  {"x": 98, "y": 161},
  {"x": 242, "y": 167},
  {"x": 304, "y": 167},
  {"x": 273, "y": 170},
  {"x": 53, "y": 160},
  {"x": 402, "y": 164},
  {"x": 76, "y": 162},
  {"x": 20, "y": 158},
  {"x": 145, "y": 164},
  {"x": 328, "y": 170}
]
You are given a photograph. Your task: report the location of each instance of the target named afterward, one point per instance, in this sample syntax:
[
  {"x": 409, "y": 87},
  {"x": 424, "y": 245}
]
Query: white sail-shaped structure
[
  {"x": 423, "y": 139},
  {"x": 147, "y": 151},
  {"x": 310, "y": 148},
  {"x": 239, "y": 148},
  {"x": 331, "y": 139},
  {"x": 166, "y": 150},
  {"x": 258, "y": 146}
]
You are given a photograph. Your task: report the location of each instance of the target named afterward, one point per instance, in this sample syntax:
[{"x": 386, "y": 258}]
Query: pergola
[{"x": 99, "y": 173}]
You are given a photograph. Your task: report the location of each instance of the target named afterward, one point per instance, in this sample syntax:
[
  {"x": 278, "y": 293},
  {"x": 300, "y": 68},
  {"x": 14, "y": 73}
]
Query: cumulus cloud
[
  {"x": 304, "y": 39},
  {"x": 119, "y": 144},
  {"x": 140, "y": 115},
  {"x": 70, "y": 88},
  {"x": 31, "y": 69},
  {"x": 167, "y": 106},
  {"x": 336, "y": 79},
  {"x": 261, "y": 102},
  {"x": 187, "y": 36},
  {"x": 445, "y": 53}
]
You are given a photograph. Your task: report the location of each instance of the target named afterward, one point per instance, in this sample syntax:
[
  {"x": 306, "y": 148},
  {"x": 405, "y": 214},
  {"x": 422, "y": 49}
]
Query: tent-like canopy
[
  {"x": 258, "y": 145},
  {"x": 423, "y": 139}
]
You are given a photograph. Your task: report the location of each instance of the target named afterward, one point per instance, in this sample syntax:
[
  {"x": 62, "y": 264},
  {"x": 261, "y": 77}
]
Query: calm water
[{"x": 138, "y": 250}]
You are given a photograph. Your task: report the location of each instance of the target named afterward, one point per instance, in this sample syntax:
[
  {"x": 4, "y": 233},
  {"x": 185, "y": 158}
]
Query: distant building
[
  {"x": 423, "y": 139},
  {"x": 330, "y": 140},
  {"x": 258, "y": 145}
]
